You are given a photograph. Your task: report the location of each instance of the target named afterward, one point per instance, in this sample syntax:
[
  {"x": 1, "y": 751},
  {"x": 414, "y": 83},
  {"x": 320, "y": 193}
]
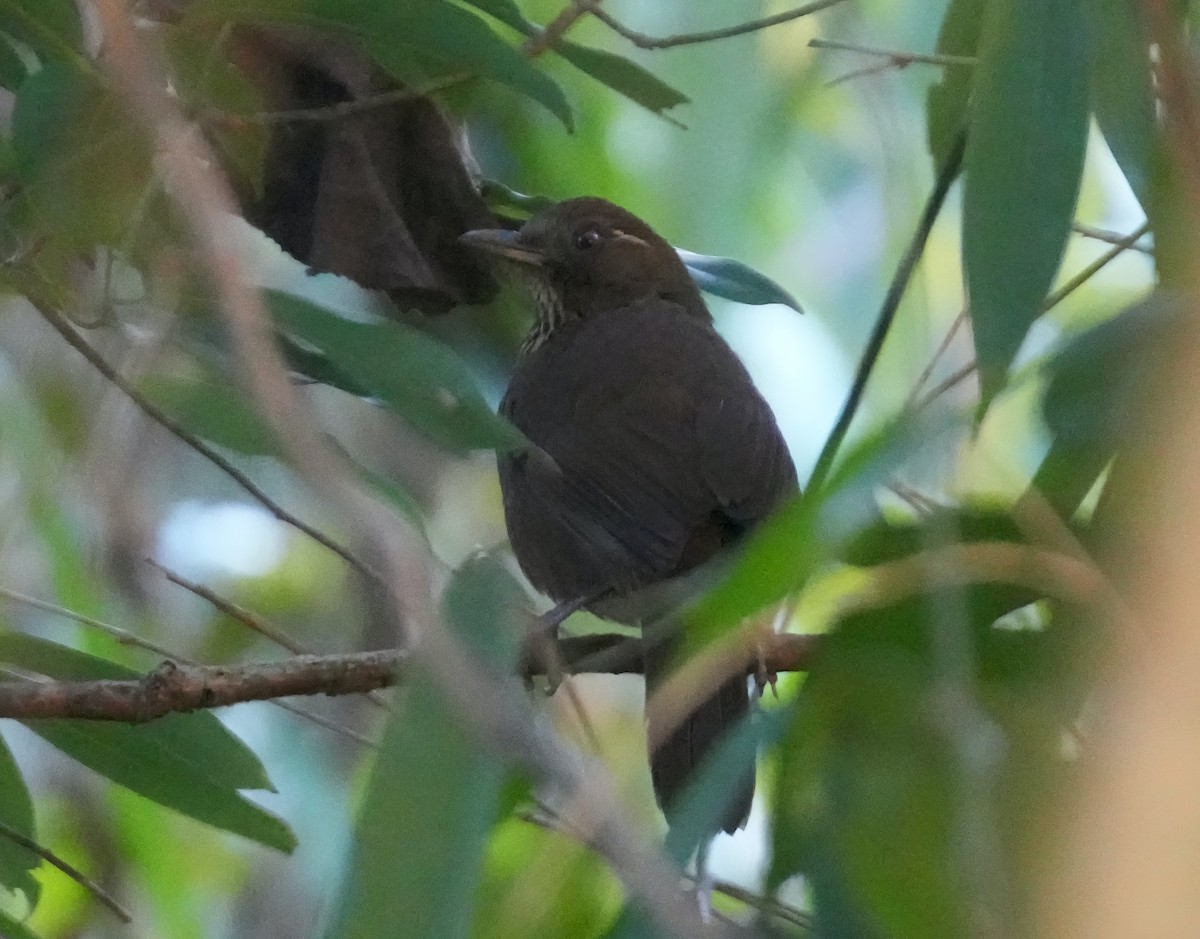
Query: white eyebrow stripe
[{"x": 621, "y": 235}]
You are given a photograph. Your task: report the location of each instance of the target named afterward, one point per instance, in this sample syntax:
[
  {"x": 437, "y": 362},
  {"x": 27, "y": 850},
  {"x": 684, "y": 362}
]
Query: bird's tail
[{"x": 680, "y": 753}]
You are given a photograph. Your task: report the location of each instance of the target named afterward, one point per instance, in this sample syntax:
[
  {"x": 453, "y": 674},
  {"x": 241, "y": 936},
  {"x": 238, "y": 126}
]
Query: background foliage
[{"x": 912, "y": 784}]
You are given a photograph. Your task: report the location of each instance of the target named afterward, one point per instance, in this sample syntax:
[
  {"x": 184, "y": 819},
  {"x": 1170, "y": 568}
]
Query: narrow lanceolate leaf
[
  {"x": 733, "y": 280},
  {"x": 187, "y": 762},
  {"x": 416, "y": 377},
  {"x": 435, "y": 790},
  {"x": 12, "y": 928},
  {"x": 1122, "y": 94},
  {"x": 1028, "y": 132},
  {"x": 16, "y": 812},
  {"x": 947, "y": 101}
]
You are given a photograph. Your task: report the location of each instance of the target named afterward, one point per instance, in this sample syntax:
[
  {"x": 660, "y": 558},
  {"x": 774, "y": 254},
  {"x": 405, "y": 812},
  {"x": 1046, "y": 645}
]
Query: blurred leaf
[
  {"x": 187, "y": 762},
  {"x": 1023, "y": 163},
  {"x": 85, "y": 164},
  {"x": 884, "y": 541},
  {"x": 444, "y": 37},
  {"x": 947, "y": 101},
  {"x": 620, "y": 74},
  {"x": 577, "y": 895},
  {"x": 12, "y": 69},
  {"x": 205, "y": 79},
  {"x": 435, "y": 790},
  {"x": 16, "y": 811},
  {"x": 417, "y": 377},
  {"x": 215, "y": 410},
  {"x": 733, "y": 280},
  {"x": 1122, "y": 92},
  {"x": 49, "y": 27},
  {"x": 14, "y": 929},
  {"x": 881, "y": 770}
]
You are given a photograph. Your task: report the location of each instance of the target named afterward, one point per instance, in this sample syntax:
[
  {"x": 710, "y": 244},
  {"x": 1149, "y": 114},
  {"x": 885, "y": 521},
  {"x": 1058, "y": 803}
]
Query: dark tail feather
[{"x": 674, "y": 763}]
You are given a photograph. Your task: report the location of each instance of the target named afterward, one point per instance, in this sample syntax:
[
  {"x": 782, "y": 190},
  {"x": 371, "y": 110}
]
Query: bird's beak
[{"x": 504, "y": 244}]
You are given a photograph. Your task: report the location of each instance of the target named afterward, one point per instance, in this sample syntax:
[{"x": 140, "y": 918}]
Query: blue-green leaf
[
  {"x": 187, "y": 762},
  {"x": 733, "y": 280},
  {"x": 1024, "y": 161},
  {"x": 213, "y": 410},
  {"x": 49, "y": 27}
]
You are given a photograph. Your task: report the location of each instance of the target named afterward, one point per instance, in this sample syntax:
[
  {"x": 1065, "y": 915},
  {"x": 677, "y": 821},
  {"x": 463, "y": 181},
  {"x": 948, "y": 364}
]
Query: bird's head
[{"x": 586, "y": 256}]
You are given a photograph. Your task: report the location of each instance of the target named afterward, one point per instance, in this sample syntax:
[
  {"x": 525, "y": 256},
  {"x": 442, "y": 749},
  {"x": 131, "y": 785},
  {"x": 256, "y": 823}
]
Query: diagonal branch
[{"x": 67, "y": 330}]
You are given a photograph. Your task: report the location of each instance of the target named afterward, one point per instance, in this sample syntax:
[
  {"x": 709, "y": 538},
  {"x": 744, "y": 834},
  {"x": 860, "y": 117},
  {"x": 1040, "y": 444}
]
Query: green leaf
[
  {"x": 733, "y": 280},
  {"x": 214, "y": 410},
  {"x": 1024, "y": 161},
  {"x": 85, "y": 165},
  {"x": 16, "y": 811},
  {"x": 434, "y": 791},
  {"x": 620, "y": 74},
  {"x": 187, "y": 762},
  {"x": 417, "y": 377},
  {"x": 408, "y": 39},
  {"x": 1122, "y": 92},
  {"x": 947, "y": 101},
  {"x": 49, "y": 27}
]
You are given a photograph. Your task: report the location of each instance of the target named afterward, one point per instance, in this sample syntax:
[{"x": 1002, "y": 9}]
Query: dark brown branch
[
  {"x": 642, "y": 41},
  {"x": 64, "y": 328},
  {"x": 172, "y": 688},
  {"x": 76, "y": 875}
]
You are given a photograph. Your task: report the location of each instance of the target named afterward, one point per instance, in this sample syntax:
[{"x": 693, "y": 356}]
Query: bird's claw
[{"x": 764, "y": 676}]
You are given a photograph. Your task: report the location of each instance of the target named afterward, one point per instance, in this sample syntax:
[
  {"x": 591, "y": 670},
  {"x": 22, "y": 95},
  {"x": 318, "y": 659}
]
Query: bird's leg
[
  {"x": 544, "y": 636},
  {"x": 704, "y": 882}
]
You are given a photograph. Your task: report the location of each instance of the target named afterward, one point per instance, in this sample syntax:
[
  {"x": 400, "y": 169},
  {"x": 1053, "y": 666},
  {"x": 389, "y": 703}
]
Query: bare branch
[{"x": 642, "y": 41}]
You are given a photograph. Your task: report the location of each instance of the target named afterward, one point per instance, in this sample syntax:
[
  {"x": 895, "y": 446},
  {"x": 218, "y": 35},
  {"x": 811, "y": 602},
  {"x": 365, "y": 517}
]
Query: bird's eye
[{"x": 587, "y": 238}]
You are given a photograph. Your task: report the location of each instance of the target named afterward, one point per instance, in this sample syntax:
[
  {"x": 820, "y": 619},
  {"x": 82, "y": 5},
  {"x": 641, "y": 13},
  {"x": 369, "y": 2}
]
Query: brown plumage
[{"x": 654, "y": 449}]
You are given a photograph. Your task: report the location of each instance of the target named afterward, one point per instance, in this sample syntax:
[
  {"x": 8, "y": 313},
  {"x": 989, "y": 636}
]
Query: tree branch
[{"x": 175, "y": 688}]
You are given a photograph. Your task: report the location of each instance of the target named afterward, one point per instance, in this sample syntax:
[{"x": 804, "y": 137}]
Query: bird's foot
[
  {"x": 543, "y": 640},
  {"x": 764, "y": 676},
  {"x": 704, "y": 883}
]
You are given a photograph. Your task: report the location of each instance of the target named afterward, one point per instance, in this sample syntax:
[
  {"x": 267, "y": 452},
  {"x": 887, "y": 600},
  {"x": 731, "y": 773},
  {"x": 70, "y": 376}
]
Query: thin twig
[
  {"x": 1123, "y": 245},
  {"x": 342, "y": 109},
  {"x": 936, "y": 357},
  {"x": 642, "y": 41},
  {"x": 887, "y": 314},
  {"x": 876, "y": 69},
  {"x": 74, "y": 873},
  {"x": 64, "y": 328},
  {"x": 1107, "y": 236},
  {"x": 897, "y": 57}
]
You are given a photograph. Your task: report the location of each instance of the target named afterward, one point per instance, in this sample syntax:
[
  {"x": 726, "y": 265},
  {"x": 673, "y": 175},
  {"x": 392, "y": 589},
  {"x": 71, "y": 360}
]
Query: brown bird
[{"x": 653, "y": 450}]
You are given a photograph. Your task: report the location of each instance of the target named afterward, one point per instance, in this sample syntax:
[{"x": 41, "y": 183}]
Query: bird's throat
[{"x": 549, "y": 311}]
